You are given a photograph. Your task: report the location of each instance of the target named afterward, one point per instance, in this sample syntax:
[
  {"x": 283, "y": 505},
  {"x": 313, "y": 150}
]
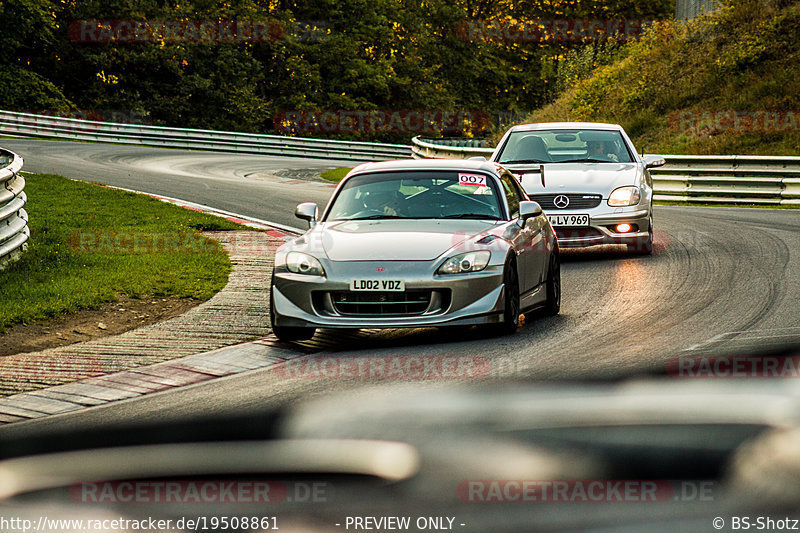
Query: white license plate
[
  {"x": 392, "y": 285},
  {"x": 569, "y": 220}
]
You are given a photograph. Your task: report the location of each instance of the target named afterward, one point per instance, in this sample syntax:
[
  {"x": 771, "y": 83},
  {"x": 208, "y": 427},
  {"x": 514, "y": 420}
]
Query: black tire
[
  {"x": 510, "y": 321},
  {"x": 287, "y": 333},
  {"x": 552, "y": 305},
  {"x": 644, "y": 247}
]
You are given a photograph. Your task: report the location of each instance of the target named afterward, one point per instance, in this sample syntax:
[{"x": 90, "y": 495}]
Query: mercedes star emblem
[{"x": 561, "y": 201}]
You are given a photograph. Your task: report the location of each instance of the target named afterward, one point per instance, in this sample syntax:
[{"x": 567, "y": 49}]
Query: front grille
[
  {"x": 577, "y": 233},
  {"x": 383, "y": 303},
  {"x": 576, "y": 201}
]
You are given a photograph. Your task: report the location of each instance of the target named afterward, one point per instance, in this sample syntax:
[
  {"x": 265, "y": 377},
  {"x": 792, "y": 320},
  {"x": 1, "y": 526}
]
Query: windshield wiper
[
  {"x": 521, "y": 161},
  {"x": 587, "y": 160},
  {"x": 374, "y": 217},
  {"x": 477, "y": 216}
]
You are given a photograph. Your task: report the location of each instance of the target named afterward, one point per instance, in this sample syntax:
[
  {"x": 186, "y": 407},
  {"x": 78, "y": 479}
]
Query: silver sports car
[
  {"x": 589, "y": 180},
  {"x": 417, "y": 243}
]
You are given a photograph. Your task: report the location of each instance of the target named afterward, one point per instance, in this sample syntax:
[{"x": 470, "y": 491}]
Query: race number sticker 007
[{"x": 476, "y": 180}]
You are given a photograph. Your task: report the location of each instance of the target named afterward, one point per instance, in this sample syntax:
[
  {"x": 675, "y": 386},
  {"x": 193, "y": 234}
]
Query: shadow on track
[
  {"x": 606, "y": 252},
  {"x": 535, "y": 323}
]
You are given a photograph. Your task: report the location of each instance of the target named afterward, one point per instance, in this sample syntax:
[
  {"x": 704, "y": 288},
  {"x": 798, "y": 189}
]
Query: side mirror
[
  {"x": 652, "y": 161},
  {"x": 529, "y": 209},
  {"x": 477, "y": 158},
  {"x": 308, "y": 212}
]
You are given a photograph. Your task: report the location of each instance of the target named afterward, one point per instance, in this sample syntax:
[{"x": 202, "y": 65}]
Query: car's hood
[
  {"x": 404, "y": 240},
  {"x": 601, "y": 178}
]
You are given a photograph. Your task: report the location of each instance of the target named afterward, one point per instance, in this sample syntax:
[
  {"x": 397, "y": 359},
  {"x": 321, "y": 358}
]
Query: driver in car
[
  {"x": 601, "y": 150},
  {"x": 383, "y": 198}
]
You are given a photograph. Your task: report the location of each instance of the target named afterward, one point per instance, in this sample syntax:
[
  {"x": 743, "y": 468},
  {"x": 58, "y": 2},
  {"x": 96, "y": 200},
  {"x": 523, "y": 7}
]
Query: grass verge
[
  {"x": 82, "y": 251},
  {"x": 336, "y": 174},
  {"x": 722, "y": 83}
]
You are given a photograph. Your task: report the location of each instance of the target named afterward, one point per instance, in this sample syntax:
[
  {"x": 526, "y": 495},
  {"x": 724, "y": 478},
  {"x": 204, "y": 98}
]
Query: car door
[{"x": 528, "y": 242}]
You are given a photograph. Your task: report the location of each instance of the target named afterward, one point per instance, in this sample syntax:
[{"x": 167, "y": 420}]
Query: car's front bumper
[
  {"x": 305, "y": 301},
  {"x": 601, "y": 229}
]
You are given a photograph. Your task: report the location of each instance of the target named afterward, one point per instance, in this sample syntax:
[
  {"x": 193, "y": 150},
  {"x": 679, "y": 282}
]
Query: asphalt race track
[
  {"x": 236, "y": 183},
  {"x": 715, "y": 271}
]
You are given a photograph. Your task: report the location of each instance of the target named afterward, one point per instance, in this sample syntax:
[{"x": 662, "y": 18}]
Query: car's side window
[
  {"x": 511, "y": 194},
  {"x": 523, "y": 196}
]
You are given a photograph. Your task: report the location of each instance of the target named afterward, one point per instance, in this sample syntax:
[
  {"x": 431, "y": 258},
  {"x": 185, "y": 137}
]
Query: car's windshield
[
  {"x": 422, "y": 194},
  {"x": 565, "y": 146}
]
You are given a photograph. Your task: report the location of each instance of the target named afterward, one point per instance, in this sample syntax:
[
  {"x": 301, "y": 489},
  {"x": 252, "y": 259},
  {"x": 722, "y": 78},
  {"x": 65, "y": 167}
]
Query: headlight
[
  {"x": 467, "y": 262},
  {"x": 624, "y": 196},
  {"x": 301, "y": 263}
]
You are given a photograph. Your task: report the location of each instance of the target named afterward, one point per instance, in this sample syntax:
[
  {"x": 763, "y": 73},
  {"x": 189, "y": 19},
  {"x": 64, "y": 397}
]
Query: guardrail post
[
  {"x": 14, "y": 232},
  {"x": 791, "y": 191}
]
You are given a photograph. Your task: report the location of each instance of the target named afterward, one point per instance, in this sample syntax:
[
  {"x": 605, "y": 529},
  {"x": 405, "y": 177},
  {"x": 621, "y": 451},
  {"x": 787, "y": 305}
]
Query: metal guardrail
[
  {"x": 733, "y": 179},
  {"x": 423, "y": 148},
  {"x": 14, "y": 232},
  {"x": 28, "y": 124},
  {"x": 729, "y": 179}
]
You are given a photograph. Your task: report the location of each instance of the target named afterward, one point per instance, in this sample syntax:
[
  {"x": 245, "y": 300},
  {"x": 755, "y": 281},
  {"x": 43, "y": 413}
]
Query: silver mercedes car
[
  {"x": 417, "y": 243},
  {"x": 588, "y": 178}
]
